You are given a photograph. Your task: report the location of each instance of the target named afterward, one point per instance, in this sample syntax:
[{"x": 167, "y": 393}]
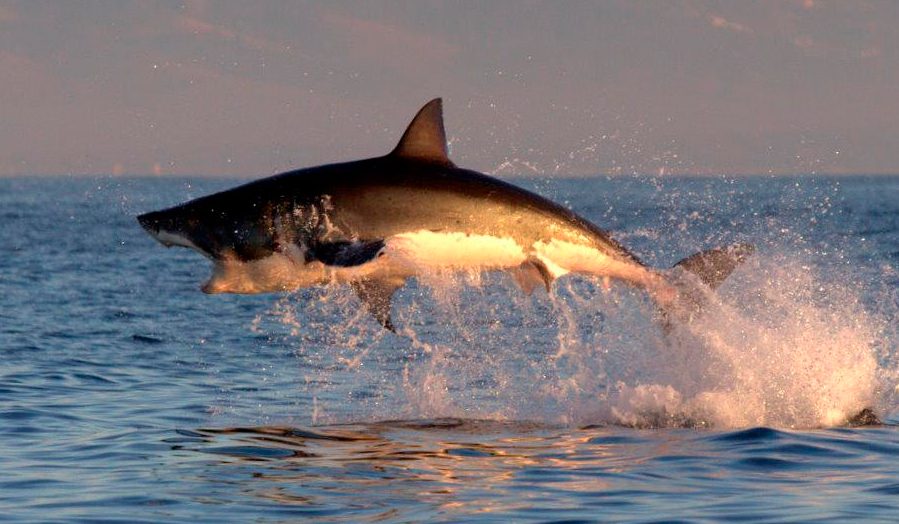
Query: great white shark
[{"x": 374, "y": 223}]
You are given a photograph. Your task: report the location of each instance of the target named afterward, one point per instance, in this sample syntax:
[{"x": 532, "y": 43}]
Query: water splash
[
  {"x": 779, "y": 345},
  {"x": 803, "y": 335}
]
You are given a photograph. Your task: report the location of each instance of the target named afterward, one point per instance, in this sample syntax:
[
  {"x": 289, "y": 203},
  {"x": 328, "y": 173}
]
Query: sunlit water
[{"x": 128, "y": 395}]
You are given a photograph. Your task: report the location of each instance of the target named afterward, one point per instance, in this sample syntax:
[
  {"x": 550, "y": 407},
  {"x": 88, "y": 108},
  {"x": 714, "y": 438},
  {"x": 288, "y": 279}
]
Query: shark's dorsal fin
[{"x": 425, "y": 138}]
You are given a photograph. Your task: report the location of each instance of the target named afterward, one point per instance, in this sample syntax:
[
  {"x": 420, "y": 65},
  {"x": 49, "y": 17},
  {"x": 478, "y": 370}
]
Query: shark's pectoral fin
[
  {"x": 376, "y": 295},
  {"x": 532, "y": 273},
  {"x": 346, "y": 253}
]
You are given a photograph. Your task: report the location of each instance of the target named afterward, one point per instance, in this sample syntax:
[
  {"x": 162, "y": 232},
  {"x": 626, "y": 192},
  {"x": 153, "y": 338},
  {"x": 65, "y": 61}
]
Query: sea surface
[{"x": 127, "y": 395}]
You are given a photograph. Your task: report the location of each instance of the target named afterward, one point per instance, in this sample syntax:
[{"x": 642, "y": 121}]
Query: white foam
[
  {"x": 277, "y": 272},
  {"x": 780, "y": 347},
  {"x": 776, "y": 348}
]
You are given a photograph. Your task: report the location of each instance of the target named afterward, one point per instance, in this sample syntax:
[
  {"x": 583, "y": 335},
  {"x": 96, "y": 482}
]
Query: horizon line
[{"x": 502, "y": 176}]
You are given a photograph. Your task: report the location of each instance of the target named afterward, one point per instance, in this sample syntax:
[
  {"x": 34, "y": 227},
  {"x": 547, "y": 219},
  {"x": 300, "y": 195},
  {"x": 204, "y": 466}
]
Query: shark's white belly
[
  {"x": 417, "y": 252},
  {"x": 431, "y": 250}
]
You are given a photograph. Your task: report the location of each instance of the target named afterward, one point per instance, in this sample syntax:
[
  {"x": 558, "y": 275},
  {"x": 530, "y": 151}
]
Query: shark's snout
[
  {"x": 150, "y": 222},
  {"x": 163, "y": 228},
  {"x": 168, "y": 228}
]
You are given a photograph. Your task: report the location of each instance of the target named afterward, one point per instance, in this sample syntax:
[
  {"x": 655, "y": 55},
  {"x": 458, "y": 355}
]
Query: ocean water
[{"x": 127, "y": 395}]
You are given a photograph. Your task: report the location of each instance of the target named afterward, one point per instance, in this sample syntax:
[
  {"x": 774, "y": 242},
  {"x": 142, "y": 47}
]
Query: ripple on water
[
  {"x": 146, "y": 339},
  {"x": 767, "y": 464},
  {"x": 810, "y": 450},
  {"x": 752, "y": 436}
]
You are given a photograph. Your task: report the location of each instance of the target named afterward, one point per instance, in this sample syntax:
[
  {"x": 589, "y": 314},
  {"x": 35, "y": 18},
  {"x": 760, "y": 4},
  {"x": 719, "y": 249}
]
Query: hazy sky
[{"x": 254, "y": 88}]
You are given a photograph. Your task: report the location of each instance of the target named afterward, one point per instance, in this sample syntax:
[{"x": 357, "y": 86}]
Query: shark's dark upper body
[{"x": 415, "y": 187}]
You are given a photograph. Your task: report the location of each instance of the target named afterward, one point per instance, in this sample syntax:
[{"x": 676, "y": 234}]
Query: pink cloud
[
  {"x": 389, "y": 43},
  {"x": 7, "y": 14},
  {"x": 804, "y": 42},
  {"x": 722, "y": 23},
  {"x": 195, "y": 25},
  {"x": 871, "y": 52},
  {"x": 21, "y": 72}
]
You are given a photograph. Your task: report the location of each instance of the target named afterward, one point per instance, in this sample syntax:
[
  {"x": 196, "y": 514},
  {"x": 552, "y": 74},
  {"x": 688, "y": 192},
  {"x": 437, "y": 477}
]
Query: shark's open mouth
[{"x": 174, "y": 239}]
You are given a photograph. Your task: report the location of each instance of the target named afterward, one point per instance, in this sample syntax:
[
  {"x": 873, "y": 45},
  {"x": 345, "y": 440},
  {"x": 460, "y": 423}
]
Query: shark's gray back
[{"x": 377, "y": 198}]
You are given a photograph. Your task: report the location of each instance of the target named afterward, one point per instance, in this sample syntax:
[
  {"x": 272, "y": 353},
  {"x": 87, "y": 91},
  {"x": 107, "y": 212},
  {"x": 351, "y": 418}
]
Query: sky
[{"x": 529, "y": 87}]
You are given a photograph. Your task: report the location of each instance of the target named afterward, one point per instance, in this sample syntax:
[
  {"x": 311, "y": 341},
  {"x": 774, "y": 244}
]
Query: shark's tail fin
[
  {"x": 715, "y": 265},
  {"x": 710, "y": 267}
]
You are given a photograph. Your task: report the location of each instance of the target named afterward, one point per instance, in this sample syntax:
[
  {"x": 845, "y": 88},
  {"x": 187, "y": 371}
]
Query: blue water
[{"x": 128, "y": 395}]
